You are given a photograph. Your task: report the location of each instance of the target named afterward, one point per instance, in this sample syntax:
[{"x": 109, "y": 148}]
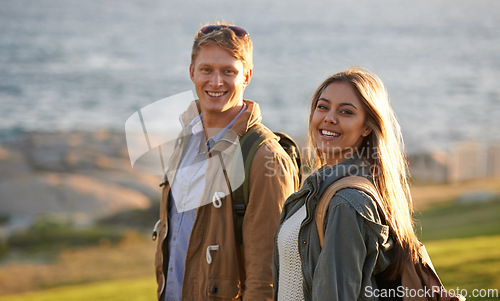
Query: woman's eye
[
  {"x": 321, "y": 107},
  {"x": 229, "y": 72},
  {"x": 346, "y": 112}
]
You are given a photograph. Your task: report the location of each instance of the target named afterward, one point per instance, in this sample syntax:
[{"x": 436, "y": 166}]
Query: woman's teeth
[{"x": 329, "y": 134}]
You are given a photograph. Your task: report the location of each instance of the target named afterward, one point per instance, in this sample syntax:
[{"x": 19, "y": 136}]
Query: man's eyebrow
[
  {"x": 209, "y": 65},
  {"x": 341, "y": 104}
]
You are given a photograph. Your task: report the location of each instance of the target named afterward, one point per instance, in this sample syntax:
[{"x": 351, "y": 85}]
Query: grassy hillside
[
  {"x": 140, "y": 289},
  {"x": 463, "y": 242},
  {"x": 447, "y": 220},
  {"x": 132, "y": 258},
  {"x": 468, "y": 264}
]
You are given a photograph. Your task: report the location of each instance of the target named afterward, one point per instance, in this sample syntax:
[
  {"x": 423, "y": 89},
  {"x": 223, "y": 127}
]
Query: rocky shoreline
[
  {"x": 86, "y": 176},
  {"x": 82, "y": 176}
]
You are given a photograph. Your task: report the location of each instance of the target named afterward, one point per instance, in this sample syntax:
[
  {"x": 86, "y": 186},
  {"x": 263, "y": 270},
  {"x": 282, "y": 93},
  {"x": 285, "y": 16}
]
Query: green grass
[
  {"x": 447, "y": 220},
  {"x": 53, "y": 235},
  {"x": 141, "y": 289},
  {"x": 468, "y": 263},
  {"x": 132, "y": 258},
  {"x": 462, "y": 241}
]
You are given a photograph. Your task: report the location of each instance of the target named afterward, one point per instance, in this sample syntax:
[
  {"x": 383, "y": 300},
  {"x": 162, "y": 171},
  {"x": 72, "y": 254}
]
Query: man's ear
[
  {"x": 191, "y": 72},
  {"x": 248, "y": 77}
]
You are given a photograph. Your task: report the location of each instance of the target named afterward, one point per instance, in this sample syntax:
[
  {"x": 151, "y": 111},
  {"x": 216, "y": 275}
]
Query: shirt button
[{"x": 304, "y": 242}]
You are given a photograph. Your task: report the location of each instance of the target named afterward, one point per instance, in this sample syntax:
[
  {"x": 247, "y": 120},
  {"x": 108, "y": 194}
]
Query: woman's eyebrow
[
  {"x": 341, "y": 104},
  {"x": 348, "y": 104}
]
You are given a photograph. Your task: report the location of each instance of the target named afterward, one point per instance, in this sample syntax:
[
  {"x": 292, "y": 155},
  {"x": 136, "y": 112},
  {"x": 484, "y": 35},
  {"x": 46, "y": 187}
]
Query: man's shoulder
[
  {"x": 271, "y": 150},
  {"x": 269, "y": 142},
  {"x": 262, "y": 130},
  {"x": 269, "y": 153},
  {"x": 272, "y": 164}
]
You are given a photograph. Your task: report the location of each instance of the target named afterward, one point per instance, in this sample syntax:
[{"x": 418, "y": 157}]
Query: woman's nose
[{"x": 330, "y": 118}]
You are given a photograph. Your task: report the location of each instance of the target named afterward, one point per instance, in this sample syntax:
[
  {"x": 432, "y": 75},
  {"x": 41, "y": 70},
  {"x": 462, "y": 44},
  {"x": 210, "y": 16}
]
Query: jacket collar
[
  {"x": 249, "y": 118},
  {"x": 317, "y": 182},
  {"x": 353, "y": 166}
]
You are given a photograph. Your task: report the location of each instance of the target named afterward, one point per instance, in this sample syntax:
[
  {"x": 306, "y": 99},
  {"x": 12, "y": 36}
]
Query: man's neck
[{"x": 214, "y": 123}]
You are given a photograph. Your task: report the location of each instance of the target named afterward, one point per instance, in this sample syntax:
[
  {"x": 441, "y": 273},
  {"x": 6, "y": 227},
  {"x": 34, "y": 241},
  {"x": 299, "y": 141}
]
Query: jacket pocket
[{"x": 223, "y": 288}]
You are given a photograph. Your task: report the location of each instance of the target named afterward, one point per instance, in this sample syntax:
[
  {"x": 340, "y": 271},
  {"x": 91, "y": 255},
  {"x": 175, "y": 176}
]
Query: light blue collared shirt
[{"x": 186, "y": 191}]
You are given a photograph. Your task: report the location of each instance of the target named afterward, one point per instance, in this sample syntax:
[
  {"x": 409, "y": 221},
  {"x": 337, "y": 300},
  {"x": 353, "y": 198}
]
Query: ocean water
[{"x": 68, "y": 64}]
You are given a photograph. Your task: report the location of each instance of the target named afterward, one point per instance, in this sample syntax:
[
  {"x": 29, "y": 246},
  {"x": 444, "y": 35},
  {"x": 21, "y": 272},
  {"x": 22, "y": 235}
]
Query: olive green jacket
[{"x": 356, "y": 244}]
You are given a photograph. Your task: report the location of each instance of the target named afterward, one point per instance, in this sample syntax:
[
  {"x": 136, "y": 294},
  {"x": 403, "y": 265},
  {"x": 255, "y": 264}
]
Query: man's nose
[{"x": 216, "y": 79}]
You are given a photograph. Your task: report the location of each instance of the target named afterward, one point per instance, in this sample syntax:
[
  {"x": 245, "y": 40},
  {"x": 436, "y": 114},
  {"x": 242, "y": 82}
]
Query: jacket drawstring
[
  {"x": 211, "y": 248},
  {"x": 217, "y": 199},
  {"x": 155, "y": 231}
]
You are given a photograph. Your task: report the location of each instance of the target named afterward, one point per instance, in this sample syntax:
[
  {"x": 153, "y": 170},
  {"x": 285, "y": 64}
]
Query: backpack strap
[
  {"x": 249, "y": 143},
  {"x": 416, "y": 276},
  {"x": 293, "y": 151},
  {"x": 356, "y": 182}
]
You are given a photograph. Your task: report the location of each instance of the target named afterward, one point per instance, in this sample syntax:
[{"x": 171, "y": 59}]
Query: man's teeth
[
  {"x": 215, "y": 94},
  {"x": 328, "y": 133}
]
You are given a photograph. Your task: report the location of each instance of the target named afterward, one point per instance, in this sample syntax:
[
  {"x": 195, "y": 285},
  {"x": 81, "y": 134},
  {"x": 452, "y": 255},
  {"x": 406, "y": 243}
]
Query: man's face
[{"x": 219, "y": 80}]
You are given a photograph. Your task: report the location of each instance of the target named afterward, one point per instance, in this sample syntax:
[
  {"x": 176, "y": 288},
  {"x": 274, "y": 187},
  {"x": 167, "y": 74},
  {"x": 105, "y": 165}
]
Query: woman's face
[{"x": 338, "y": 122}]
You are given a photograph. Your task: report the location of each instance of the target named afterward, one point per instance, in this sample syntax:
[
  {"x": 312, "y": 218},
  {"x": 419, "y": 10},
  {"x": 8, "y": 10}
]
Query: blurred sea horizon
[{"x": 88, "y": 65}]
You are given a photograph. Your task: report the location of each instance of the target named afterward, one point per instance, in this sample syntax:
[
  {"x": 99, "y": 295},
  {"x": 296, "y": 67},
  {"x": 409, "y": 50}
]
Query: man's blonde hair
[{"x": 239, "y": 47}]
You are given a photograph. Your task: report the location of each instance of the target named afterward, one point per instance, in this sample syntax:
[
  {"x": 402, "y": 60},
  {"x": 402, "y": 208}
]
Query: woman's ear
[{"x": 366, "y": 131}]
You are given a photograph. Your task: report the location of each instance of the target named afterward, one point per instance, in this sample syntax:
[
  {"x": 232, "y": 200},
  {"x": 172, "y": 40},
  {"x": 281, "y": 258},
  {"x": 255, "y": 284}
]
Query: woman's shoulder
[
  {"x": 359, "y": 201},
  {"x": 366, "y": 207}
]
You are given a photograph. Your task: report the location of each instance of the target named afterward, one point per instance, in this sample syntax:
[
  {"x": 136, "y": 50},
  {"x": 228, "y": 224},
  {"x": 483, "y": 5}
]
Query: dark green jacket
[{"x": 356, "y": 244}]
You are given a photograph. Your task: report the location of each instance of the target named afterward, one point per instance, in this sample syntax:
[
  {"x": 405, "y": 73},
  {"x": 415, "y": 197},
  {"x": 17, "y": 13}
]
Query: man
[{"x": 198, "y": 255}]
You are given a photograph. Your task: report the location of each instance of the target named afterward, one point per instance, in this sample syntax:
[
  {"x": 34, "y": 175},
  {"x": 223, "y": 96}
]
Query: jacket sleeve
[
  {"x": 272, "y": 179},
  {"x": 339, "y": 270}
]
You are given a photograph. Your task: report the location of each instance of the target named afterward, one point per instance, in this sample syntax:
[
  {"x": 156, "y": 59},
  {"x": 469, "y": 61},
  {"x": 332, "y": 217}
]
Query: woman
[{"x": 352, "y": 131}]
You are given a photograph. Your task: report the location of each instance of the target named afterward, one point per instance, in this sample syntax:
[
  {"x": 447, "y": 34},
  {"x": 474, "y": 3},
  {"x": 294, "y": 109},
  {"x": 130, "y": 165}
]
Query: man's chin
[{"x": 213, "y": 107}]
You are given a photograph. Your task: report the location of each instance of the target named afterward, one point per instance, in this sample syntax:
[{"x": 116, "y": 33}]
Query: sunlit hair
[
  {"x": 384, "y": 150},
  {"x": 239, "y": 47}
]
